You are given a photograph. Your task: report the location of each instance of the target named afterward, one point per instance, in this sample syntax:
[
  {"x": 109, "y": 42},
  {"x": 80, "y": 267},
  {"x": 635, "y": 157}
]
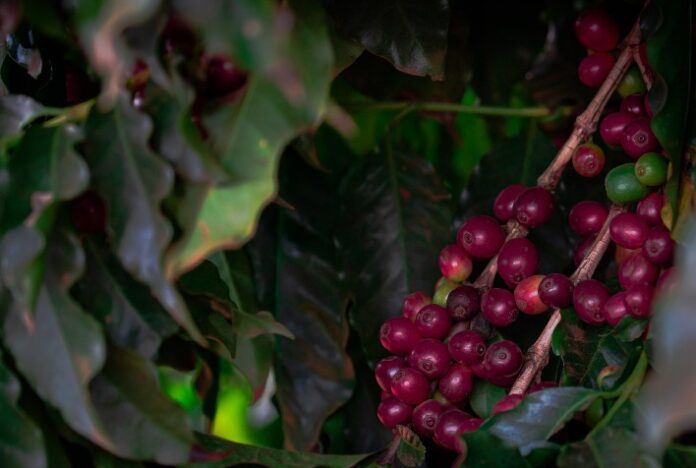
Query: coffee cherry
[
  {"x": 588, "y": 160},
  {"x": 425, "y": 417},
  {"x": 543, "y": 385},
  {"x": 587, "y": 217},
  {"x": 639, "y": 300},
  {"x": 506, "y": 403},
  {"x": 398, "y": 335},
  {"x": 467, "y": 347},
  {"x": 457, "y": 383},
  {"x": 384, "y": 395},
  {"x": 88, "y": 213},
  {"x": 636, "y": 269},
  {"x": 628, "y": 230},
  {"x": 596, "y": 30},
  {"x": 638, "y": 138},
  {"x": 431, "y": 357},
  {"x": 222, "y": 76},
  {"x": 650, "y": 208},
  {"x": 433, "y": 321},
  {"x": 612, "y": 126},
  {"x": 589, "y": 298},
  {"x": 498, "y": 306},
  {"x": 410, "y": 386},
  {"x": 527, "y": 296},
  {"x": 386, "y": 369},
  {"x": 556, "y": 290},
  {"x": 623, "y": 186},
  {"x": 659, "y": 246},
  {"x": 392, "y": 412},
  {"x": 615, "y": 308},
  {"x": 517, "y": 259},
  {"x": 463, "y": 303},
  {"x": 413, "y": 303},
  {"x": 481, "y": 236},
  {"x": 631, "y": 83},
  {"x": 505, "y": 201},
  {"x": 455, "y": 263},
  {"x": 595, "y": 68},
  {"x": 534, "y": 207},
  {"x": 583, "y": 248},
  {"x": 651, "y": 169},
  {"x": 450, "y": 425},
  {"x": 503, "y": 358},
  {"x": 442, "y": 290},
  {"x": 634, "y": 104}
]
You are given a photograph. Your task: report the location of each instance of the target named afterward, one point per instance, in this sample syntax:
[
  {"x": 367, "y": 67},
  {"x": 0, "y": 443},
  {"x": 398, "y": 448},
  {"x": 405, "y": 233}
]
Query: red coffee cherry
[
  {"x": 615, "y": 308},
  {"x": 386, "y": 369},
  {"x": 596, "y": 30},
  {"x": 517, "y": 260},
  {"x": 431, "y": 357},
  {"x": 463, "y": 303},
  {"x": 527, "y": 296},
  {"x": 410, "y": 386},
  {"x": 587, "y": 217},
  {"x": 398, "y": 335},
  {"x": 467, "y": 347},
  {"x": 498, "y": 306},
  {"x": 455, "y": 263},
  {"x": 589, "y": 298},
  {"x": 457, "y": 383},
  {"x": 659, "y": 246},
  {"x": 628, "y": 230},
  {"x": 505, "y": 201},
  {"x": 650, "y": 208},
  {"x": 433, "y": 321},
  {"x": 556, "y": 290},
  {"x": 612, "y": 126},
  {"x": 638, "y": 300},
  {"x": 534, "y": 207},
  {"x": 425, "y": 417},
  {"x": 595, "y": 68},
  {"x": 481, "y": 236},
  {"x": 392, "y": 412},
  {"x": 413, "y": 303},
  {"x": 636, "y": 269},
  {"x": 588, "y": 160}
]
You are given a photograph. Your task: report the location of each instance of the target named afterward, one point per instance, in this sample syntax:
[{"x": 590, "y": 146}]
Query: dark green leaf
[
  {"x": 395, "y": 221},
  {"x": 411, "y": 34},
  {"x": 474, "y": 140},
  {"x": 679, "y": 456},
  {"x": 133, "y": 181},
  {"x": 484, "y": 396},
  {"x": 607, "y": 448},
  {"x": 669, "y": 98},
  {"x": 539, "y": 416},
  {"x": 21, "y": 441},
  {"x": 586, "y": 349},
  {"x": 15, "y": 112},
  {"x": 314, "y": 373},
  {"x": 143, "y": 423},
  {"x": 483, "y": 449},
  {"x": 223, "y": 453}
]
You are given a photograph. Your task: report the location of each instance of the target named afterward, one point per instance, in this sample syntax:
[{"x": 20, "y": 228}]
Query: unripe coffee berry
[
  {"x": 517, "y": 260},
  {"x": 481, "y": 236},
  {"x": 588, "y": 160},
  {"x": 527, "y": 296},
  {"x": 628, "y": 230},
  {"x": 398, "y": 335},
  {"x": 631, "y": 83},
  {"x": 651, "y": 169},
  {"x": 410, "y": 386},
  {"x": 623, "y": 186},
  {"x": 443, "y": 288},
  {"x": 589, "y": 298},
  {"x": 467, "y": 347},
  {"x": 392, "y": 412},
  {"x": 505, "y": 201},
  {"x": 455, "y": 264},
  {"x": 587, "y": 217},
  {"x": 433, "y": 321},
  {"x": 498, "y": 307},
  {"x": 534, "y": 207},
  {"x": 463, "y": 303},
  {"x": 556, "y": 290}
]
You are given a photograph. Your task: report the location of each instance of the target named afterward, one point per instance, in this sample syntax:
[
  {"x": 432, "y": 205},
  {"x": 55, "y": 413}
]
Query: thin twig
[
  {"x": 487, "y": 276},
  {"x": 532, "y": 112}
]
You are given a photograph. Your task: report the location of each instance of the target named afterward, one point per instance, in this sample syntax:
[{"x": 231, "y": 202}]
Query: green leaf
[
  {"x": 411, "y": 451},
  {"x": 586, "y": 350},
  {"x": 21, "y": 440},
  {"x": 133, "y": 181},
  {"x": 610, "y": 447},
  {"x": 484, "y": 396},
  {"x": 143, "y": 423},
  {"x": 669, "y": 98},
  {"x": 474, "y": 140},
  {"x": 15, "y": 112},
  {"x": 410, "y": 34},
  {"x": 395, "y": 219},
  {"x": 215, "y": 452},
  {"x": 483, "y": 449},
  {"x": 315, "y": 376},
  {"x": 539, "y": 416},
  {"x": 250, "y": 135},
  {"x": 679, "y": 456}
]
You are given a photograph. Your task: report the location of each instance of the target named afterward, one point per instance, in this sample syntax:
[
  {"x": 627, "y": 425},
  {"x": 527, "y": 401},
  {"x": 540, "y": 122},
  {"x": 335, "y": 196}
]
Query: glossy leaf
[
  {"x": 608, "y": 447},
  {"x": 133, "y": 181},
  {"x": 395, "y": 219},
  {"x": 15, "y": 112},
  {"x": 215, "y": 452},
  {"x": 411, "y": 34},
  {"x": 484, "y": 396},
  {"x": 485, "y": 449}
]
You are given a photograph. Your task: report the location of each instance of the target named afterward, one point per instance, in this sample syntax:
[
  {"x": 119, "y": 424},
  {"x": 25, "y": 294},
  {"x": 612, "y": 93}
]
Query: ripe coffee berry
[
  {"x": 433, "y": 321},
  {"x": 498, "y": 306},
  {"x": 659, "y": 246},
  {"x": 426, "y": 415},
  {"x": 534, "y": 207},
  {"x": 503, "y": 358},
  {"x": 505, "y": 201},
  {"x": 410, "y": 386},
  {"x": 527, "y": 296},
  {"x": 628, "y": 230},
  {"x": 588, "y": 160},
  {"x": 651, "y": 169},
  {"x": 507, "y": 403},
  {"x": 596, "y": 30},
  {"x": 639, "y": 300},
  {"x": 481, "y": 236},
  {"x": 636, "y": 269},
  {"x": 615, "y": 308},
  {"x": 386, "y": 369},
  {"x": 612, "y": 126},
  {"x": 623, "y": 186},
  {"x": 650, "y": 208},
  {"x": 88, "y": 213},
  {"x": 398, "y": 335},
  {"x": 431, "y": 357},
  {"x": 413, "y": 303},
  {"x": 517, "y": 260},
  {"x": 587, "y": 217},
  {"x": 589, "y": 298},
  {"x": 457, "y": 383},
  {"x": 392, "y": 412},
  {"x": 455, "y": 263},
  {"x": 450, "y": 425},
  {"x": 463, "y": 303},
  {"x": 634, "y": 104},
  {"x": 467, "y": 347},
  {"x": 595, "y": 68},
  {"x": 222, "y": 76},
  {"x": 556, "y": 290},
  {"x": 638, "y": 138}
]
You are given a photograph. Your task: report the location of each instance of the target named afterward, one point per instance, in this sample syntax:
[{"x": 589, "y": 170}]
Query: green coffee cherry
[
  {"x": 651, "y": 169},
  {"x": 631, "y": 83},
  {"x": 623, "y": 186},
  {"x": 442, "y": 290}
]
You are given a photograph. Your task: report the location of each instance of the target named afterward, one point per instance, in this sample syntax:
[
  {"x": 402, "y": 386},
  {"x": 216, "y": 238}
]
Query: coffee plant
[{"x": 347, "y": 233}]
